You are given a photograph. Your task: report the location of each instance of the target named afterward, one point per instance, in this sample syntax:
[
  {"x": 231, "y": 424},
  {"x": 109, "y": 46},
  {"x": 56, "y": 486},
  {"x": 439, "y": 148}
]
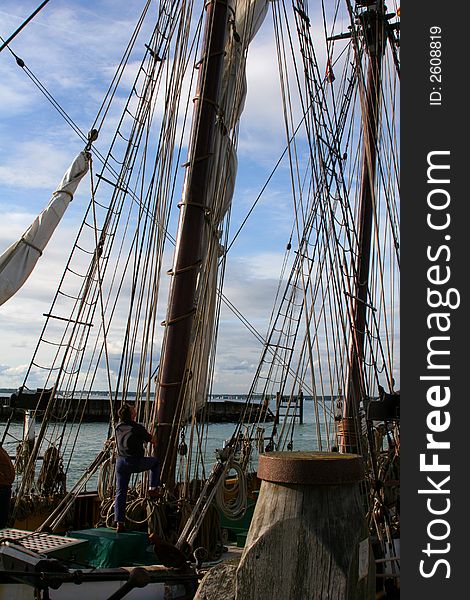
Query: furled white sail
[
  {"x": 249, "y": 16},
  {"x": 19, "y": 260}
]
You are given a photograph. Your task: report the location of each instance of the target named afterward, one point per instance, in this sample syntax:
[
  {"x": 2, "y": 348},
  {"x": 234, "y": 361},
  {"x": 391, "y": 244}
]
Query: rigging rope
[
  {"x": 315, "y": 302},
  {"x": 22, "y": 26}
]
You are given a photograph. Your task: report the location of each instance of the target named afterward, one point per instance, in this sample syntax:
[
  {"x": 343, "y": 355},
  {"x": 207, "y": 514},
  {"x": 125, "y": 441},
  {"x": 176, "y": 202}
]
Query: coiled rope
[{"x": 232, "y": 494}]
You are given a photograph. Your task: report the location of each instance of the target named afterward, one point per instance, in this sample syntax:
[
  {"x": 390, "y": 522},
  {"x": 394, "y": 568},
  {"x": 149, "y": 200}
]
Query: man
[
  {"x": 7, "y": 477},
  {"x": 130, "y": 439}
]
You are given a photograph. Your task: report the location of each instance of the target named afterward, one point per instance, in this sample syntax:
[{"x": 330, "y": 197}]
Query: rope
[
  {"x": 106, "y": 479},
  {"x": 311, "y": 303},
  {"x": 25, "y": 22},
  {"x": 232, "y": 496},
  {"x": 51, "y": 479}
]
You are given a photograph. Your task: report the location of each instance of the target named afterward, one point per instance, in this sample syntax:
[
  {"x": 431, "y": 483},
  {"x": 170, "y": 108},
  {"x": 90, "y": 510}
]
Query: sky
[{"x": 73, "y": 49}]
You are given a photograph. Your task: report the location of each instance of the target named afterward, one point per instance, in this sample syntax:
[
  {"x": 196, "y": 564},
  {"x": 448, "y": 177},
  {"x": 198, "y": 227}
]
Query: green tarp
[{"x": 108, "y": 549}]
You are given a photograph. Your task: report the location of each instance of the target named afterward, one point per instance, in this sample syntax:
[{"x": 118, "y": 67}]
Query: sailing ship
[{"x": 332, "y": 333}]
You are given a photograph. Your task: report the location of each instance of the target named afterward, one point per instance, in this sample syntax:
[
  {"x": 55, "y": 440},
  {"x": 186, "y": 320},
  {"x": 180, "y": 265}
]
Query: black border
[{"x": 426, "y": 128}]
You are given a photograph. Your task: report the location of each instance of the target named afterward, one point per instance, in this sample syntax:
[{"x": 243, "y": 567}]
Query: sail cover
[{"x": 19, "y": 260}]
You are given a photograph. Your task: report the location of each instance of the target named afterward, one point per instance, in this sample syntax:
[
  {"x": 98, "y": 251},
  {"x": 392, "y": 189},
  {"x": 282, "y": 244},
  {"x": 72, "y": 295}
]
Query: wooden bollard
[{"x": 308, "y": 538}]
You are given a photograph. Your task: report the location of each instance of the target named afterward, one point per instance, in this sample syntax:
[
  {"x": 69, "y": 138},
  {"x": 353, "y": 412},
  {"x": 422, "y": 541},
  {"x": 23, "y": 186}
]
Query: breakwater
[{"x": 99, "y": 410}]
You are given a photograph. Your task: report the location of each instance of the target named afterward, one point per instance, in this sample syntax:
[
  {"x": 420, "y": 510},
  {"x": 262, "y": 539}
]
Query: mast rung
[
  {"x": 153, "y": 53},
  {"x": 304, "y": 256},
  {"x": 361, "y": 301},
  {"x": 278, "y": 346},
  {"x": 291, "y": 318},
  {"x": 45, "y": 368},
  {"x": 115, "y": 185},
  {"x": 80, "y": 275},
  {"x": 89, "y": 225},
  {"x": 340, "y": 36},
  {"x": 69, "y": 295},
  {"x": 49, "y": 315},
  {"x": 61, "y": 345},
  {"x": 302, "y": 15},
  {"x": 329, "y": 146}
]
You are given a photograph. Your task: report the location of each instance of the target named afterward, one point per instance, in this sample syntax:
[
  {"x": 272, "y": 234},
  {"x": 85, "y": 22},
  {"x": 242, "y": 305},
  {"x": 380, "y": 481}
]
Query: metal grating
[{"x": 42, "y": 543}]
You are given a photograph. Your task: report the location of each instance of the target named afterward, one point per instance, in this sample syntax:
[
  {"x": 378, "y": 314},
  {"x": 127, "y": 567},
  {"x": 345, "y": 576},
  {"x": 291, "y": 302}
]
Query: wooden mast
[
  {"x": 373, "y": 27},
  {"x": 188, "y": 253}
]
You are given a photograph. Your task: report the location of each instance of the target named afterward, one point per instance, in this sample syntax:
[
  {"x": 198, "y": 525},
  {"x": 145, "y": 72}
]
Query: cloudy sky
[{"x": 72, "y": 48}]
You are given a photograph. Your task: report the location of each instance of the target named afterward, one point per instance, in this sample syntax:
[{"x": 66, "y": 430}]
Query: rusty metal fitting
[{"x": 313, "y": 468}]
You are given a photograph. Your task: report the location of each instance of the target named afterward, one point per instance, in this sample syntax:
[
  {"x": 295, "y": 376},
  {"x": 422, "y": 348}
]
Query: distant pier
[{"x": 97, "y": 409}]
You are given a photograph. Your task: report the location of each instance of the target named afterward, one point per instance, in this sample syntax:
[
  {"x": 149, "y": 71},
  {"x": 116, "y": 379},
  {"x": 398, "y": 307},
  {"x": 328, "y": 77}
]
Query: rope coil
[{"x": 232, "y": 494}]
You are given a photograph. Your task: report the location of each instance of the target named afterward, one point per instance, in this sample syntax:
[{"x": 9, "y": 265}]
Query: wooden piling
[{"x": 308, "y": 539}]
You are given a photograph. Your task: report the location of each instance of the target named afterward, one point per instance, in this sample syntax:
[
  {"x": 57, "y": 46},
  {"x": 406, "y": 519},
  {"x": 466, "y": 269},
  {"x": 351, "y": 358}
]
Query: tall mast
[
  {"x": 188, "y": 253},
  {"x": 373, "y": 28}
]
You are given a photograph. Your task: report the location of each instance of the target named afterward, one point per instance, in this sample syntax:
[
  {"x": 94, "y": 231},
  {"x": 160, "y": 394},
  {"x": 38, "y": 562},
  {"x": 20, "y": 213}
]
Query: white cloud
[
  {"x": 263, "y": 266},
  {"x": 15, "y": 96},
  {"x": 34, "y": 164},
  {"x": 74, "y": 51}
]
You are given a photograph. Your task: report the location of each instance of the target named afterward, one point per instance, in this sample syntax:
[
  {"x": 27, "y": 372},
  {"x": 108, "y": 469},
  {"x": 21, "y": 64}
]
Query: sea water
[{"x": 91, "y": 437}]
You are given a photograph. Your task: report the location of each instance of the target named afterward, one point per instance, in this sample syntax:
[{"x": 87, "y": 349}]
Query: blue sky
[{"x": 72, "y": 48}]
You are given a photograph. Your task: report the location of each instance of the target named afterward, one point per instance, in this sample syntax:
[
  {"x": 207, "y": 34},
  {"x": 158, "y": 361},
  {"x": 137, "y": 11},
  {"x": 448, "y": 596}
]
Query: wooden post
[
  {"x": 308, "y": 538},
  {"x": 278, "y": 406},
  {"x": 29, "y": 427},
  {"x": 301, "y": 407}
]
